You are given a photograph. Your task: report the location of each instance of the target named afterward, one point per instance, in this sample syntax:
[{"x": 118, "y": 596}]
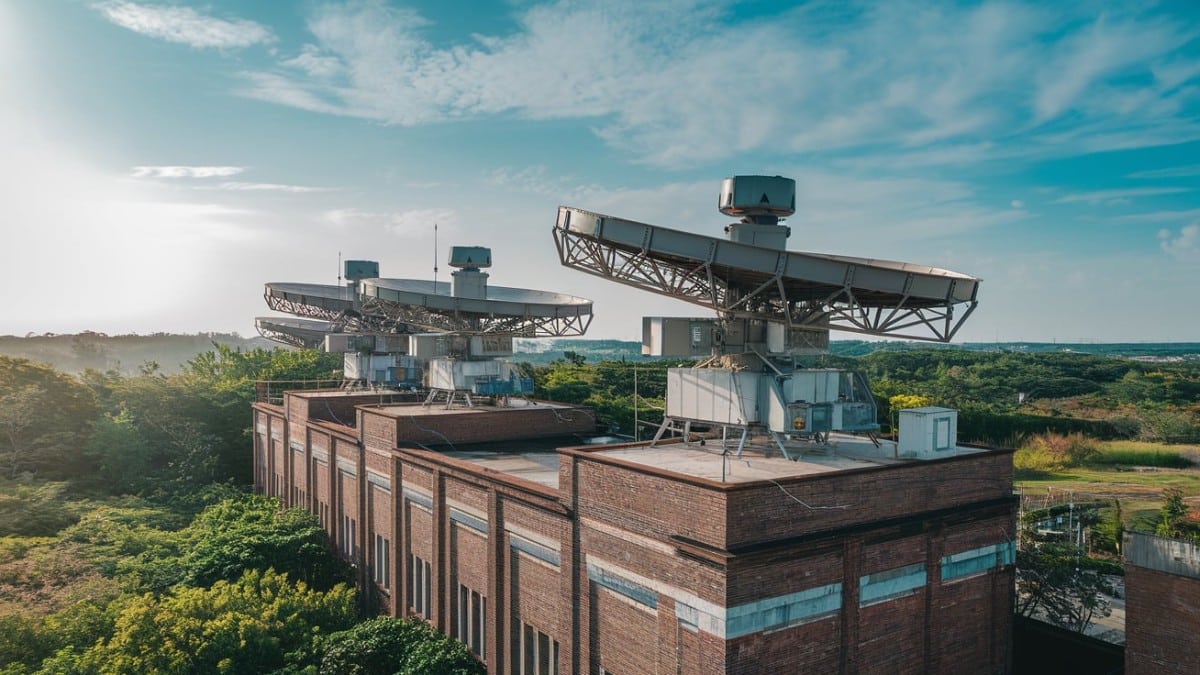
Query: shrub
[
  {"x": 1156, "y": 458},
  {"x": 1070, "y": 449},
  {"x": 1035, "y": 460}
]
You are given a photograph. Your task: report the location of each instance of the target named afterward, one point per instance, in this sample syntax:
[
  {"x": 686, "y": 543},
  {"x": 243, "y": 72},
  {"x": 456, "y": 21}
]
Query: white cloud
[
  {"x": 1161, "y": 216},
  {"x": 271, "y": 187},
  {"x": 1184, "y": 246},
  {"x": 185, "y": 171},
  {"x": 1118, "y": 196},
  {"x": 1017, "y": 204},
  {"x": 677, "y": 82},
  {"x": 1186, "y": 171},
  {"x": 183, "y": 25},
  {"x": 416, "y": 223}
]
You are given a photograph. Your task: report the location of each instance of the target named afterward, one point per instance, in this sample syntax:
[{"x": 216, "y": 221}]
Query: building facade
[
  {"x": 1162, "y": 605},
  {"x": 546, "y": 555}
]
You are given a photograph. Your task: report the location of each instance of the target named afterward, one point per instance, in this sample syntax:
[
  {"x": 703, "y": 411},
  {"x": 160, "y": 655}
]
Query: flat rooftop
[
  {"x": 760, "y": 459},
  {"x": 481, "y": 407}
]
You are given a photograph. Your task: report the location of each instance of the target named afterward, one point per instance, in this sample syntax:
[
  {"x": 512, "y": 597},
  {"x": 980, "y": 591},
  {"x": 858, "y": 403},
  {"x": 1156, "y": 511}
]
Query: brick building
[
  {"x": 548, "y": 555},
  {"x": 1162, "y": 605}
]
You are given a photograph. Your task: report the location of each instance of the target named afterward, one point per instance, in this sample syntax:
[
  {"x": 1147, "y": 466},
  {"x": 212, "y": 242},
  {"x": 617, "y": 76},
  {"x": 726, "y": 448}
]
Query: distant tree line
[{"x": 1000, "y": 396}]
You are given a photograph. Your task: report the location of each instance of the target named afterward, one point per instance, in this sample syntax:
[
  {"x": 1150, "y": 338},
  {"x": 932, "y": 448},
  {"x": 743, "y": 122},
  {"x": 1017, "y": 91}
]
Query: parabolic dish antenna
[
  {"x": 512, "y": 311},
  {"x": 466, "y": 305},
  {"x": 335, "y": 304},
  {"x": 302, "y": 333},
  {"x": 749, "y": 280}
]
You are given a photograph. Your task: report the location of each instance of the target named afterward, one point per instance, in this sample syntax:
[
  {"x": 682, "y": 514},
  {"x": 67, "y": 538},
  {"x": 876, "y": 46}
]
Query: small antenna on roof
[
  {"x": 435, "y": 258},
  {"x": 339, "y": 268}
]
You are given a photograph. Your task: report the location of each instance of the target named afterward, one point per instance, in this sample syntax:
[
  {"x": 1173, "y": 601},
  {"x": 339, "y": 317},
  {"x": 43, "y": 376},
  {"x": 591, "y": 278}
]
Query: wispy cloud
[
  {"x": 1161, "y": 217},
  {"x": 412, "y": 223},
  {"x": 1182, "y": 246},
  {"x": 1120, "y": 196},
  {"x": 1186, "y": 171},
  {"x": 183, "y": 25},
  {"x": 678, "y": 81},
  {"x": 185, "y": 171},
  {"x": 270, "y": 187},
  {"x": 538, "y": 180}
]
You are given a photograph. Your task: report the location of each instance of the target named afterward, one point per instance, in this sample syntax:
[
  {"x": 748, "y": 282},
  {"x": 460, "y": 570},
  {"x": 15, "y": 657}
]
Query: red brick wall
[
  {"x": 649, "y": 504},
  {"x": 420, "y": 532},
  {"x": 891, "y": 635},
  {"x": 406, "y": 424},
  {"x": 624, "y": 636},
  {"x": 468, "y": 559},
  {"x": 1162, "y": 617},
  {"x": 807, "y": 648},
  {"x": 891, "y": 492},
  {"x": 966, "y": 636}
]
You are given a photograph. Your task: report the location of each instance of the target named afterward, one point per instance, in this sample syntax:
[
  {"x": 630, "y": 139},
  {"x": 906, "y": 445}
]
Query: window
[
  {"x": 420, "y": 586},
  {"x": 533, "y": 653},
  {"x": 471, "y": 621},
  {"x": 382, "y": 572},
  {"x": 348, "y": 537}
]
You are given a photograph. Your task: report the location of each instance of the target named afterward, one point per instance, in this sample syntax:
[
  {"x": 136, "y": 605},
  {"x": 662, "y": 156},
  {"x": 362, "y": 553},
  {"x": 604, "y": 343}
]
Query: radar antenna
[
  {"x": 772, "y": 306},
  {"x": 457, "y": 331}
]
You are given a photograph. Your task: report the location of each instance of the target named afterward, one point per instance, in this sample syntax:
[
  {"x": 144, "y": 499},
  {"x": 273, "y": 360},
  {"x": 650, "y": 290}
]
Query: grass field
[{"x": 1134, "y": 472}]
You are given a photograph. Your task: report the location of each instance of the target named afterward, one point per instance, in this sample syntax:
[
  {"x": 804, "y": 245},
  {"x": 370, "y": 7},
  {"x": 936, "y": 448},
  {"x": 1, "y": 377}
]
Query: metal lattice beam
[
  {"x": 477, "y": 324},
  {"x": 703, "y": 283}
]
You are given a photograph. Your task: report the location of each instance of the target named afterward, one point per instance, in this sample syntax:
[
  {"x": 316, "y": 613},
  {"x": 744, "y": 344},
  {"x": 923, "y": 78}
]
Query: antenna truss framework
[
  {"x": 453, "y": 321},
  {"x": 630, "y": 259}
]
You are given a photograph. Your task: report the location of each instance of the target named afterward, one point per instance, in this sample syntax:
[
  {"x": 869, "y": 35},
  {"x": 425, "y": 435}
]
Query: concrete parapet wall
[{"x": 1165, "y": 555}]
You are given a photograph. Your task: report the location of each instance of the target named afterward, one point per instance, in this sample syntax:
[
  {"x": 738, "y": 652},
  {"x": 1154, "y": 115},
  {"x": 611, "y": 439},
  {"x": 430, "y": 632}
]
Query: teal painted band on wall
[
  {"x": 978, "y": 560},
  {"x": 468, "y": 520},
  {"x": 536, "y": 550},
  {"x": 623, "y": 586},
  {"x": 890, "y": 584},
  {"x": 811, "y": 604}
]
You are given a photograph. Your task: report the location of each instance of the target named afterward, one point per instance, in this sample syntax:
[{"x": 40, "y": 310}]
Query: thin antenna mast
[{"x": 435, "y": 258}]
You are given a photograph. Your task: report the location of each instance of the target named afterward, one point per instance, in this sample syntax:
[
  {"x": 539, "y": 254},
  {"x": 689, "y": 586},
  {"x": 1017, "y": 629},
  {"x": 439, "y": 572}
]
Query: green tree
[
  {"x": 260, "y": 623},
  {"x": 252, "y": 532},
  {"x": 1056, "y": 582},
  {"x": 1175, "y": 518},
  {"x": 45, "y": 419},
  {"x": 120, "y": 455},
  {"x": 387, "y": 646}
]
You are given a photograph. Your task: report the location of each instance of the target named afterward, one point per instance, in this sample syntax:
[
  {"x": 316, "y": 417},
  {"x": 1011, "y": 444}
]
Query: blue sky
[{"x": 160, "y": 161}]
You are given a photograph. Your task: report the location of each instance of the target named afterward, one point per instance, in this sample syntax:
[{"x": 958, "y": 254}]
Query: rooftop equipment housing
[{"x": 772, "y": 306}]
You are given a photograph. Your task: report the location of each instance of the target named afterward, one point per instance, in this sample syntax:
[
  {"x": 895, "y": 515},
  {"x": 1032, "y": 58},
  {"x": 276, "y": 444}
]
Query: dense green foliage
[
  {"x": 225, "y": 591},
  {"x": 45, "y": 417},
  {"x": 127, "y": 543},
  {"x": 608, "y": 387},
  {"x": 388, "y": 646},
  {"x": 147, "y": 434},
  {"x": 260, "y": 623}
]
